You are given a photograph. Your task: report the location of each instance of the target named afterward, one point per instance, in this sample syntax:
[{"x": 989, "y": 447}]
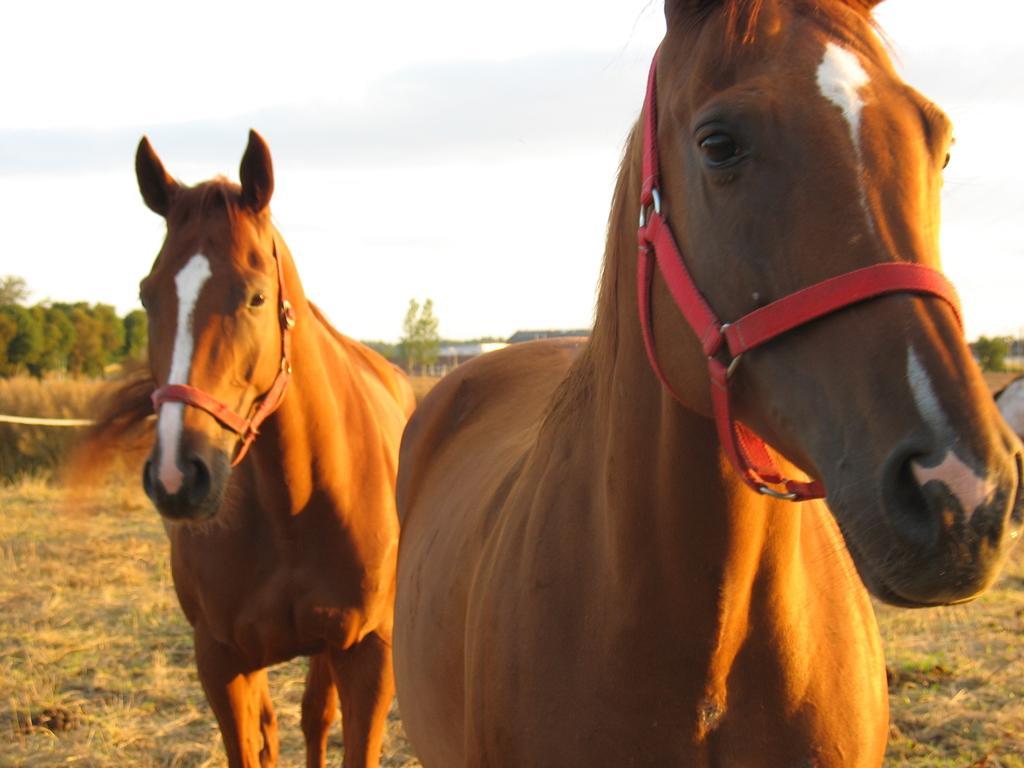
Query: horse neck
[
  {"x": 289, "y": 443},
  {"x": 673, "y": 506}
]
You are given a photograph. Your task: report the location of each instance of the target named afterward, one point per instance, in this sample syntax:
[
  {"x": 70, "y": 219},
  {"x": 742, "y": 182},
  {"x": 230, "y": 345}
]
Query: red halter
[
  {"x": 246, "y": 428},
  {"x": 748, "y": 452}
]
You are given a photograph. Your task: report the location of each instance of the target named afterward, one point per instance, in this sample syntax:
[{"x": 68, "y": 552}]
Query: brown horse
[
  {"x": 585, "y": 579},
  {"x": 282, "y": 543}
]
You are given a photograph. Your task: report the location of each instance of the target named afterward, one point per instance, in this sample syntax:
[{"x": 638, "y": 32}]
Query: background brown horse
[
  {"x": 584, "y": 579},
  {"x": 293, "y": 550}
]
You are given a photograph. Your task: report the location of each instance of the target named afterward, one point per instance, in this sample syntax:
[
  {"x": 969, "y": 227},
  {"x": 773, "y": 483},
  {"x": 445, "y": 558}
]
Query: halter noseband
[
  {"x": 746, "y": 450},
  {"x": 247, "y": 429}
]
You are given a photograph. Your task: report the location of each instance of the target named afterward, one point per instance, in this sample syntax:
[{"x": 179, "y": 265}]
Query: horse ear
[
  {"x": 155, "y": 184},
  {"x": 257, "y": 174}
]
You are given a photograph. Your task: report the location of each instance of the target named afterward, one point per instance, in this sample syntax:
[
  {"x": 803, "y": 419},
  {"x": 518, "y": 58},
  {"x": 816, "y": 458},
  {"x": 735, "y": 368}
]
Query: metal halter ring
[
  {"x": 287, "y": 314},
  {"x": 764, "y": 490},
  {"x": 734, "y": 363},
  {"x": 656, "y": 205}
]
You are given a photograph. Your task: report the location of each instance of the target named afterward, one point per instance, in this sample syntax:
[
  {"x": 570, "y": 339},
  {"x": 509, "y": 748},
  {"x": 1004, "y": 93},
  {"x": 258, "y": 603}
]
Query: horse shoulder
[{"x": 486, "y": 408}]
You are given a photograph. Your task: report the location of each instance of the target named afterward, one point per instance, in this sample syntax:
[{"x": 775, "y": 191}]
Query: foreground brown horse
[
  {"x": 282, "y": 542},
  {"x": 585, "y": 579}
]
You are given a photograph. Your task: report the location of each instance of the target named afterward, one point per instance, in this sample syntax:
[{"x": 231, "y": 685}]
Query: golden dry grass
[
  {"x": 37, "y": 450},
  {"x": 957, "y": 679},
  {"x": 95, "y": 651},
  {"x": 96, "y": 659}
]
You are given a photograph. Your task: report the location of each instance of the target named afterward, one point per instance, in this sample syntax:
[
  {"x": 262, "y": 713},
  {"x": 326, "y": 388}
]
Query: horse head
[
  {"x": 791, "y": 152},
  {"x": 219, "y": 320}
]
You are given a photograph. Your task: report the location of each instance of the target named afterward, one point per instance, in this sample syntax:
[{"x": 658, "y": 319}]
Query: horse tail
[{"x": 121, "y": 433}]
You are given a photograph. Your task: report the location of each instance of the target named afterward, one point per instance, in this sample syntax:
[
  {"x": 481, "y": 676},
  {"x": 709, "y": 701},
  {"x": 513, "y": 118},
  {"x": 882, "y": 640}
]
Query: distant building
[
  {"x": 450, "y": 355},
  {"x": 520, "y": 336}
]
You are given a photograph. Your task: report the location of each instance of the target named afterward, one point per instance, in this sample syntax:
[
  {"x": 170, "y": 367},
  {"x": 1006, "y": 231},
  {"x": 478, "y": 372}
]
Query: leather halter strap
[
  {"x": 246, "y": 428},
  {"x": 747, "y": 452}
]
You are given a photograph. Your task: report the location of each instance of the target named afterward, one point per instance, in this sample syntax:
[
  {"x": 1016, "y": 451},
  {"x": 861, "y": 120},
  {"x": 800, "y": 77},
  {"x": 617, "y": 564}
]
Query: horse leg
[
  {"x": 235, "y": 695},
  {"x": 319, "y": 708},
  {"x": 363, "y": 674},
  {"x": 268, "y": 721}
]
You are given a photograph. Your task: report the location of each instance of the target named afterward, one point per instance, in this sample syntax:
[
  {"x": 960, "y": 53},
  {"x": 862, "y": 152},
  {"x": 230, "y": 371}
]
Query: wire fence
[{"x": 37, "y": 422}]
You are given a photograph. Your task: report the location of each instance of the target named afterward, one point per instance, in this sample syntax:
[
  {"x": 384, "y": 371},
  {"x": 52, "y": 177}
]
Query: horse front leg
[
  {"x": 319, "y": 709},
  {"x": 363, "y": 674},
  {"x": 240, "y": 699}
]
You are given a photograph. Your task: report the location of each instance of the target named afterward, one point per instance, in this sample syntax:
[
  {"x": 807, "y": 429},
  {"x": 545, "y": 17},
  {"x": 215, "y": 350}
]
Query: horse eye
[
  {"x": 258, "y": 300},
  {"x": 719, "y": 149}
]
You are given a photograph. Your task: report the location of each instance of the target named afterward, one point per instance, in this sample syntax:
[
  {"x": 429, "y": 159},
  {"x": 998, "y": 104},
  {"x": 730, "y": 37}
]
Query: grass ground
[{"x": 96, "y": 659}]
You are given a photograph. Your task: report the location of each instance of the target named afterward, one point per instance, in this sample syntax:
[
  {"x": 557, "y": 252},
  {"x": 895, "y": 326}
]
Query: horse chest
[
  {"x": 604, "y": 681},
  {"x": 274, "y": 592},
  {"x": 638, "y": 711}
]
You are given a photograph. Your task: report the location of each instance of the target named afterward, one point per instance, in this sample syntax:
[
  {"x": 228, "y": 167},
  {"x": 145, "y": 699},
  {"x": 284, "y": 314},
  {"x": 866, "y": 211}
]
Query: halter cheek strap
[
  {"x": 247, "y": 429},
  {"x": 747, "y": 452}
]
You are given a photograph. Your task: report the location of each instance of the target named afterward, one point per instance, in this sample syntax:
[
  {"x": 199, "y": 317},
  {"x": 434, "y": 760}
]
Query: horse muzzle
[{"x": 194, "y": 492}]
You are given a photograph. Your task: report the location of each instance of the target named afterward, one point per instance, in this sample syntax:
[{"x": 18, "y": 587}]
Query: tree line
[
  {"x": 991, "y": 352},
  {"x": 75, "y": 338}
]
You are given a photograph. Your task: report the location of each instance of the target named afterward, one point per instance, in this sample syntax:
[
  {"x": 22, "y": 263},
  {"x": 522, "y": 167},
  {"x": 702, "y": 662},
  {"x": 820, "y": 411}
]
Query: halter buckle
[
  {"x": 287, "y": 315},
  {"x": 764, "y": 490}
]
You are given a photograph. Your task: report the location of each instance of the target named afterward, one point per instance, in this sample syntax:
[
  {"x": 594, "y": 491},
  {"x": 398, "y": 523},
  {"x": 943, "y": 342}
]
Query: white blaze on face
[
  {"x": 841, "y": 79},
  {"x": 963, "y": 482},
  {"x": 189, "y": 282}
]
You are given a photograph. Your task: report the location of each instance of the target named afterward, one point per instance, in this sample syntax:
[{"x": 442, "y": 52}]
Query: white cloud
[{"x": 460, "y": 150}]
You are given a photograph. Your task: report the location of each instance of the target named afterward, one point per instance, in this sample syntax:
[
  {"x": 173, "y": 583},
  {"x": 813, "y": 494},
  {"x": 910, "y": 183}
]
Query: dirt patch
[
  {"x": 901, "y": 678},
  {"x": 52, "y": 719}
]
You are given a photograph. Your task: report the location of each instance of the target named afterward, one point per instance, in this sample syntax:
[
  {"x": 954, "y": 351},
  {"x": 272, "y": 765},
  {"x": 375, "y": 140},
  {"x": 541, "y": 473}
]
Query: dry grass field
[
  {"x": 95, "y": 657},
  {"x": 96, "y": 661}
]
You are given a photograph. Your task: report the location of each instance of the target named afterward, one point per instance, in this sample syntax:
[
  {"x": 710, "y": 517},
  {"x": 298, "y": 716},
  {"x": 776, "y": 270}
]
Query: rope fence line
[{"x": 36, "y": 422}]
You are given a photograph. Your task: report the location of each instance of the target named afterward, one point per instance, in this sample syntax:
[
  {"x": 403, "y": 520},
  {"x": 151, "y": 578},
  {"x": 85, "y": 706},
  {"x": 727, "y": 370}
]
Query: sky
[{"x": 461, "y": 150}]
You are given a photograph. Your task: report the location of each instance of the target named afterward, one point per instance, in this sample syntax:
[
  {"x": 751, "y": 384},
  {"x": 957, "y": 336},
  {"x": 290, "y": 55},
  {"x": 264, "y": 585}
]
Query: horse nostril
[
  {"x": 147, "y": 480},
  {"x": 910, "y": 505},
  {"x": 197, "y": 481}
]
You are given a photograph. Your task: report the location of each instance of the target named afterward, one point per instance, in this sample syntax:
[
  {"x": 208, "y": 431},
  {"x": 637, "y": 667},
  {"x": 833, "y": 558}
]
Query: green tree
[
  {"x": 992, "y": 352},
  {"x": 420, "y": 341},
  {"x": 58, "y": 336},
  {"x": 25, "y": 346},
  {"x": 136, "y": 335},
  {"x": 13, "y": 290},
  {"x": 8, "y": 330},
  {"x": 111, "y": 332},
  {"x": 87, "y": 354}
]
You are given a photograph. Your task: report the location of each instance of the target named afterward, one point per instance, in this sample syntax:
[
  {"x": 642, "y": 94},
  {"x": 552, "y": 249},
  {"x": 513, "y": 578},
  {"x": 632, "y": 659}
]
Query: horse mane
[
  {"x": 216, "y": 194},
  {"x": 742, "y": 16},
  {"x": 370, "y": 359},
  {"x": 122, "y": 427}
]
